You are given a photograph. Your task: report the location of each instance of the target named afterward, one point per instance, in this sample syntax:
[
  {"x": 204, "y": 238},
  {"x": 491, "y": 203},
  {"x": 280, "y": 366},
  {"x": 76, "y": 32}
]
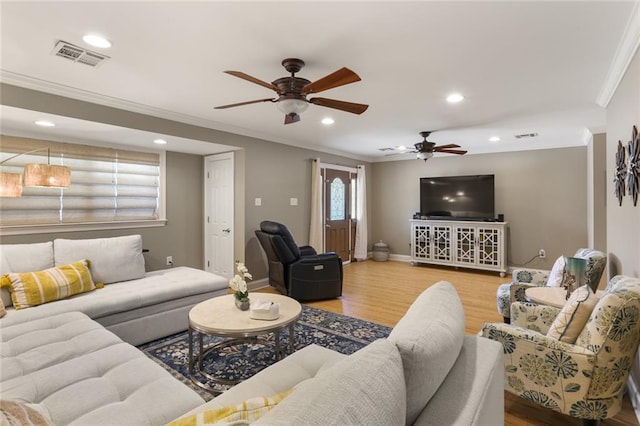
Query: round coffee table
[{"x": 220, "y": 317}]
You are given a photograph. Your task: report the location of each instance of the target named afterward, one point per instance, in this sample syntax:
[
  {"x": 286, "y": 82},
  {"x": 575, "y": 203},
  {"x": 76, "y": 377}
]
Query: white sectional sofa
[
  {"x": 65, "y": 366},
  {"x": 136, "y": 305},
  {"x": 427, "y": 372}
]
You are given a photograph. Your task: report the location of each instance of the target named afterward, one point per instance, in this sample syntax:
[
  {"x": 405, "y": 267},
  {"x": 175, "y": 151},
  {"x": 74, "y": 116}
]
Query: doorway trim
[
  {"x": 351, "y": 170},
  {"x": 230, "y": 203}
]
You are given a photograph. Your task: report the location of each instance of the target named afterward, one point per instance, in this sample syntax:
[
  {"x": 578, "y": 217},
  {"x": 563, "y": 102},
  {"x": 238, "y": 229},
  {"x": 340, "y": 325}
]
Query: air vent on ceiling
[
  {"x": 526, "y": 135},
  {"x": 78, "y": 54},
  {"x": 386, "y": 149}
]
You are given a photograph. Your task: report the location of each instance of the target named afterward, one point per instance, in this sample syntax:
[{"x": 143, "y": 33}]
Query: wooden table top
[
  {"x": 220, "y": 317},
  {"x": 550, "y": 296}
]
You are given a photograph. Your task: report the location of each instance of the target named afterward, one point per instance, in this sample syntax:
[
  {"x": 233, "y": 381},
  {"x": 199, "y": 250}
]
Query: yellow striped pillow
[
  {"x": 244, "y": 413},
  {"x": 35, "y": 288}
]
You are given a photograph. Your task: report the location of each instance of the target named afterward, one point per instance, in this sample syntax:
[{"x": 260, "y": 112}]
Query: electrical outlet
[
  {"x": 169, "y": 260},
  {"x": 542, "y": 254}
]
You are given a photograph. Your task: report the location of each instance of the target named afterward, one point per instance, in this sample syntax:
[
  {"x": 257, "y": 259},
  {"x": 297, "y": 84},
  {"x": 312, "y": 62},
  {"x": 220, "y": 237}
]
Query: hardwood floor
[{"x": 381, "y": 292}]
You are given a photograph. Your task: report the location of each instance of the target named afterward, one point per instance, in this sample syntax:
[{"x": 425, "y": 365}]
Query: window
[
  {"x": 337, "y": 200},
  {"x": 108, "y": 187}
]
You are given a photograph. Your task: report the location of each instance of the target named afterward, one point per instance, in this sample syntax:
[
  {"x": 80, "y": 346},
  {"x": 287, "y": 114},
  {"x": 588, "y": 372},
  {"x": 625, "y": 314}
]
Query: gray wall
[
  {"x": 623, "y": 222},
  {"x": 275, "y": 173},
  {"x": 271, "y": 171},
  {"x": 179, "y": 238},
  {"x": 597, "y": 194},
  {"x": 542, "y": 193}
]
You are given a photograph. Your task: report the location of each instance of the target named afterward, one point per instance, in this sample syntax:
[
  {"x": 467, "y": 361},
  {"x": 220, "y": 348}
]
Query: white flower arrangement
[{"x": 239, "y": 284}]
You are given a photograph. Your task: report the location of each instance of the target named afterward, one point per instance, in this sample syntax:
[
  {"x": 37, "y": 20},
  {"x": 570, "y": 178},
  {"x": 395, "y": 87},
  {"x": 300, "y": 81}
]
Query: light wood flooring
[{"x": 382, "y": 292}]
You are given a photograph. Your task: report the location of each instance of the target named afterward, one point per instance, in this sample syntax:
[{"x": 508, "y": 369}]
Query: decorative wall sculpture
[
  {"x": 626, "y": 177},
  {"x": 620, "y": 172},
  {"x": 633, "y": 172}
]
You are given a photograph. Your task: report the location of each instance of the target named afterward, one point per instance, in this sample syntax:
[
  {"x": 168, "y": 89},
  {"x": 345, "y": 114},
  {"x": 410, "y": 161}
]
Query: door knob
[{"x": 227, "y": 230}]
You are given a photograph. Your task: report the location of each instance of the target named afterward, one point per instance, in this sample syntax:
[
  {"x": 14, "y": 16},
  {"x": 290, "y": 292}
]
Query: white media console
[{"x": 479, "y": 245}]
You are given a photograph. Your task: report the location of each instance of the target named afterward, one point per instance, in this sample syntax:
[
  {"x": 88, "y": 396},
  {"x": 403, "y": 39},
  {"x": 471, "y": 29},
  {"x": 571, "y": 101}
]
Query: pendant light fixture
[{"x": 35, "y": 175}]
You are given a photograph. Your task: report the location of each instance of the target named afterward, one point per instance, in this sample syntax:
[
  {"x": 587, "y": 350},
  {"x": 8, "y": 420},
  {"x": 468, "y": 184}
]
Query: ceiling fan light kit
[
  {"x": 426, "y": 149},
  {"x": 292, "y": 91}
]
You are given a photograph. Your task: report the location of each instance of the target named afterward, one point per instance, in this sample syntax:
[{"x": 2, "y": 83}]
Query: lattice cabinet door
[
  {"x": 466, "y": 244},
  {"x": 489, "y": 247},
  {"x": 442, "y": 243},
  {"x": 421, "y": 247}
]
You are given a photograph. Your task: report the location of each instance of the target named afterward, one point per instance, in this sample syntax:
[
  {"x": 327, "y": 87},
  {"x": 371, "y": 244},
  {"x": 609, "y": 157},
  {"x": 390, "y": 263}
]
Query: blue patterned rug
[{"x": 239, "y": 362}]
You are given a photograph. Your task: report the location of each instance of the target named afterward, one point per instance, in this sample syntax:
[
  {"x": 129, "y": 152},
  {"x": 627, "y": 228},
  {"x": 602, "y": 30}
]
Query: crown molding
[
  {"x": 52, "y": 88},
  {"x": 624, "y": 54}
]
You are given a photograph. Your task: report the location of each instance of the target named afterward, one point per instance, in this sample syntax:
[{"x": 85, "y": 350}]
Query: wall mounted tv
[{"x": 457, "y": 197}]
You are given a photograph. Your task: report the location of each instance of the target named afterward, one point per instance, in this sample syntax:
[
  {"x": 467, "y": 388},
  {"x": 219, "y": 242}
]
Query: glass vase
[
  {"x": 242, "y": 304},
  {"x": 574, "y": 274}
]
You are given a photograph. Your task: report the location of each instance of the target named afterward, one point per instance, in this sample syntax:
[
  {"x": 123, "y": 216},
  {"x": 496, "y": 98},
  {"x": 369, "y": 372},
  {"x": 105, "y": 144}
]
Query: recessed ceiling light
[
  {"x": 96, "y": 41},
  {"x": 494, "y": 139},
  {"x": 454, "y": 98},
  {"x": 327, "y": 121},
  {"x": 45, "y": 123},
  {"x": 160, "y": 142}
]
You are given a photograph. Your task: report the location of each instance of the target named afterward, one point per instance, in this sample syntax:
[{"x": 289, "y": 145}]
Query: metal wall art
[
  {"x": 627, "y": 173},
  {"x": 619, "y": 174},
  {"x": 633, "y": 172}
]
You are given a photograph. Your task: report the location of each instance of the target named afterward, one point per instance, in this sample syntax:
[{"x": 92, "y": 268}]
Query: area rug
[{"x": 239, "y": 362}]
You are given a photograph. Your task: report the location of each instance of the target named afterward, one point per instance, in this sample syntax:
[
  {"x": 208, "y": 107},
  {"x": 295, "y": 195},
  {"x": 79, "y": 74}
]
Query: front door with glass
[{"x": 338, "y": 212}]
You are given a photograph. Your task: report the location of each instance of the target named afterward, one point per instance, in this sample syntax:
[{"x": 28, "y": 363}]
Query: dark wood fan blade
[
  {"x": 450, "y": 145},
  {"x": 246, "y": 103},
  {"x": 339, "y": 78},
  {"x": 341, "y": 105},
  {"x": 451, "y": 151},
  {"x": 247, "y": 77}
]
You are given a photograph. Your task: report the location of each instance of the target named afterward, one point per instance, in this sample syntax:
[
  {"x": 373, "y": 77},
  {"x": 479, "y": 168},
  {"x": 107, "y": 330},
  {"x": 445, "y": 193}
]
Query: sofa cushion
[
  {"x": 300, "y": 366},
  {"x": 35, "y": 288},
  {"x": 155, "y": 288},
  {"x": 366, "y": 387},
  {"x": 25, "y": 258},
  {"x": 85, "y": 375},
  {"x": 556, "y": 275},
  {"x": 429, "y": 337},
  {"x": 574, "y": 315},
  {"x": 112, "y": 259}
]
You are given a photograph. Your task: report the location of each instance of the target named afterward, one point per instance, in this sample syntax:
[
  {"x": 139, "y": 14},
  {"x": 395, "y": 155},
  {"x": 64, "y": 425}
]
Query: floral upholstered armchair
[
  {"x": 584, "y": 379},
  {"x": 525, "y": 278}
]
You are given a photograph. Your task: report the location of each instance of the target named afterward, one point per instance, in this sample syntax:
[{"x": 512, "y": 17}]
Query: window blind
[{"x": 107, "y": 185}]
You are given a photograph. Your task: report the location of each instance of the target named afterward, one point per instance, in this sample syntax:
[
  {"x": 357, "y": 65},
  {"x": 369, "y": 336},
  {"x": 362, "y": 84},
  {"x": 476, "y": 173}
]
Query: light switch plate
[
  {"x": 293, "y": 201},
  {"x": 258, "y": 201}
]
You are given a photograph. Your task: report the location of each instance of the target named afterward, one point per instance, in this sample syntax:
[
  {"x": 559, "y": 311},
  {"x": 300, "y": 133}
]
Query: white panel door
[{"x": 219, "y": 191}]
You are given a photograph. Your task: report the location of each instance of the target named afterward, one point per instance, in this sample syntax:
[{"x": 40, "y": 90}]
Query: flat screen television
[{"x": 458, "y": 197}]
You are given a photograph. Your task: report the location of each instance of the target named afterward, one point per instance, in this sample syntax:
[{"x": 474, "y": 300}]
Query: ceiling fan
[
  {"x": 426, "y": 149},
  {"x": 292, "y": 91}
]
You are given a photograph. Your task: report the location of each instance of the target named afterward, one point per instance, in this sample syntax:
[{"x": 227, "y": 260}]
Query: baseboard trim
[{"x": 258, "y": 284}]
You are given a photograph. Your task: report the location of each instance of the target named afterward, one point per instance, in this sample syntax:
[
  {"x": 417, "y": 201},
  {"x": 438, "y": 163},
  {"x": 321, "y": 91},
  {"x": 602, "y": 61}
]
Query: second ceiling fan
[
  {"x": 292, "y": 91},
  {"x": 426, "y": 149}
]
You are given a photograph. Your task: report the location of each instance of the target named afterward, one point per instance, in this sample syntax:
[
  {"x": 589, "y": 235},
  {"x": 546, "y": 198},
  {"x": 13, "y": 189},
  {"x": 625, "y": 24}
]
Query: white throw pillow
[
  {"x": 24, "y": 258},
  {"x": 557, "y": 272},
  {"x": 365, "y": 388},
  {"x": 429, "y": 337},
  {"x": 574, "y": 315},
  {"x": 112, "y": 259}
]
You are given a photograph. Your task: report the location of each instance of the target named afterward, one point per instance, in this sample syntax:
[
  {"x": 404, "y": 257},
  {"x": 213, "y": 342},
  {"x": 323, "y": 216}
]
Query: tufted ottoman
[{"x": 77, "y": 372}]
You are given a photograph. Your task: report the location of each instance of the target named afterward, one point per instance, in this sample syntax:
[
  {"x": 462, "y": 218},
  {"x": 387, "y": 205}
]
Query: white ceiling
[{"x": 523, "y": 67}]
